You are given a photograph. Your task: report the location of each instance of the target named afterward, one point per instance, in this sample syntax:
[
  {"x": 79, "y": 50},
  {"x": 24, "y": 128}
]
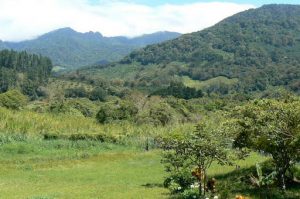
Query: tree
[
  {"x": 273, "y": 127},
  {"x": 209, "y": 143}
]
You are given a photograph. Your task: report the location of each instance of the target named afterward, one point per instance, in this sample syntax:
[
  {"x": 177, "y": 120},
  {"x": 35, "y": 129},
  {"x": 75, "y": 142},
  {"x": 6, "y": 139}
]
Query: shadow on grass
[
  {"x": 237, "y": 182},
  {"x": 153, "y": 185}
]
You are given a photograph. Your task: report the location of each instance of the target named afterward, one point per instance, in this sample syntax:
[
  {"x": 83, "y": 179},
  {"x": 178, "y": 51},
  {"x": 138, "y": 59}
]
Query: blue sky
[{"x": 21, "y": 20}]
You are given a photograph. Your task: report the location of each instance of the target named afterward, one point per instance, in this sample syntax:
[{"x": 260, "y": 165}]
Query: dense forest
[{"x": 23, "y": 71}]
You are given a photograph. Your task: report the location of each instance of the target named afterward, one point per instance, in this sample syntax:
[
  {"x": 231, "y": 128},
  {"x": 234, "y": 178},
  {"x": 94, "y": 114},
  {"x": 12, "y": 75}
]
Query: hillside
[
  {"x": 72, "y": 49},
  {"x": 259, "y": 47}
]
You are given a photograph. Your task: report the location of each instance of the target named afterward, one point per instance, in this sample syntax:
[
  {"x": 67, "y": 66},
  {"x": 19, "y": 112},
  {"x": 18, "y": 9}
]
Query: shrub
[
  {"x": 84, "y": 105},
  {"x": 13, "y": 99},
  {"x": 62, "y": 107},
  {"x": 98, "y": 94},
  {"x": 76, "y": 92},
  {"x": 161, "y": 113},
  {"x": 120, "y": 111}
]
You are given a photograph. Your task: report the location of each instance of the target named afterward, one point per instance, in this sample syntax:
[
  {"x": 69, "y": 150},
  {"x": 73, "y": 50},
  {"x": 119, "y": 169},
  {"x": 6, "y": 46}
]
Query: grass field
[
  {"x": 87, "y": 170},
  {"x": 62, "y": 169},
  {"x": 205, "y": 84}
]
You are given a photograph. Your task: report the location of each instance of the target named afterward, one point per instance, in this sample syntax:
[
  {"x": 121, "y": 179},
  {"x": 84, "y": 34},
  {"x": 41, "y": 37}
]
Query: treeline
[{"x": 23, "y": 71}]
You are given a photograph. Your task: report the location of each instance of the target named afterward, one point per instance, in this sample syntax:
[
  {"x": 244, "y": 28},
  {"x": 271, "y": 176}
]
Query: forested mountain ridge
[
  {"x": 69, "y": 48},
  {"x": 260, "y": 47}
]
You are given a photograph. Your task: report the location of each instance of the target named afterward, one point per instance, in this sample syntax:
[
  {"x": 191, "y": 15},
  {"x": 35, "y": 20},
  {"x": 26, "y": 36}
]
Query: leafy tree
[
  {"x": 197, "y": 150},
  {"x": 273, "y": 127}
]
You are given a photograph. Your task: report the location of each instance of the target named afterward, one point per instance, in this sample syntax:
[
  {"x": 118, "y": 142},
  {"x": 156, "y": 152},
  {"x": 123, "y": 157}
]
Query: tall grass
[{"x": 21, "y": 125}]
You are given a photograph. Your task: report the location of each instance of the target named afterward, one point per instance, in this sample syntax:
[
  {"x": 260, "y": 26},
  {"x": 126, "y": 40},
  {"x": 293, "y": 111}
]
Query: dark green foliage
[
  {"x": 80, "y": 137},
  {"x": 123, "y": 110},
  {"x": 260, "y": 47},
  {"x": 62, "y": 107},
  {"x": 76, "y": 92},
  {"x": 72, "y": 49},
  {"x": 98, "y": 93},
  {"x": 23, "y": 70},
  {"x": 13, "y": 99},
  {"x": 177, "y": 89}
]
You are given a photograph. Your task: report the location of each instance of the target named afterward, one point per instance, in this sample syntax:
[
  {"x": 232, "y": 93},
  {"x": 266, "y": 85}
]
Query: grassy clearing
[
  {"x": 205, "y": 84},
  {"x": 63, "y": 169},
  {"x": 112, "y": 173}
]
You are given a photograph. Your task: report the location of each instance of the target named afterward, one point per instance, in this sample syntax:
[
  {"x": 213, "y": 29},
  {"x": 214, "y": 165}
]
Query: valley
[{"x": 210, "y": 114}]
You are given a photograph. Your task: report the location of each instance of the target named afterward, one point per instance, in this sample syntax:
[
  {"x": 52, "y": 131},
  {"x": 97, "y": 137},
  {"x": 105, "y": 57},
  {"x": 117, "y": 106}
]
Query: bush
[
  {"x": 98, "y": 94},
  {"x": 183, "y": 179},
  {"x": 76, "y": 92},
  {"x": 84, "y": 105},
  {"x": 13, "y": 99},
  {"x": 161, "y": 114},
  {"x": 119, "y": 111},
  {"x": 62, "y": 107}
]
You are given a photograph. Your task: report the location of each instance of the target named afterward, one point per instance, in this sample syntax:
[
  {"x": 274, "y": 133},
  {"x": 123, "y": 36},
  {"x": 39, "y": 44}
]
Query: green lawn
[
  {"x": 110, "y": 174},
  {"x": 62, "y": 169}
]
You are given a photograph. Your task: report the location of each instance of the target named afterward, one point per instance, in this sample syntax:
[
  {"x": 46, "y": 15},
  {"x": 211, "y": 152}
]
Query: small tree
[
  {"x": 273, "y": 127},
  {"x": 199, "y": 149}
]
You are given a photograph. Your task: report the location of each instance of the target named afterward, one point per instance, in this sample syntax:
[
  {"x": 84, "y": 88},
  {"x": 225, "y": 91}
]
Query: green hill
[
  {"x": 259, "y": 48},
  {"x": 72, "y": 49}
]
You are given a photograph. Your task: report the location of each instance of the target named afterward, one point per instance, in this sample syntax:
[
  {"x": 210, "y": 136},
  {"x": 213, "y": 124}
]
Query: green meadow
[{"x": 85, "y": 169}]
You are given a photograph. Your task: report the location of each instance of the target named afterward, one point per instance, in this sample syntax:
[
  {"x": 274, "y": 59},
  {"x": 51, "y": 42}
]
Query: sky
[{"x": 27, "y": 19}]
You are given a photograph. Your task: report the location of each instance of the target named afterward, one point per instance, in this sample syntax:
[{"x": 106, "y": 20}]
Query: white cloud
[{"x": 25, "y": 19}]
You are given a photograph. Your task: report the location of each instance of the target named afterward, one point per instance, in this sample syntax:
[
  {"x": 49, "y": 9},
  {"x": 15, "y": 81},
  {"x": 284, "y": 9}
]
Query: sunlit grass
[{"x": 114, "y": 172}]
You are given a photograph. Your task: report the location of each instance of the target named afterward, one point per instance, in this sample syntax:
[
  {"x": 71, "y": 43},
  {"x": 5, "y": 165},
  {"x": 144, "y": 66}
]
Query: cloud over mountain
[{"x": 21, "y": 20}]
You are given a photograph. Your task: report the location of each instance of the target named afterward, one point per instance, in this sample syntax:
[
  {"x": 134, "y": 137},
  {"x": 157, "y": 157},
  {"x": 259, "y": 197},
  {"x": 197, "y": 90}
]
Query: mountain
[
  {"x": 250, "y": 51},
  {"x": 69, "y": 48},
  {"x": 2, "y": 45}
]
